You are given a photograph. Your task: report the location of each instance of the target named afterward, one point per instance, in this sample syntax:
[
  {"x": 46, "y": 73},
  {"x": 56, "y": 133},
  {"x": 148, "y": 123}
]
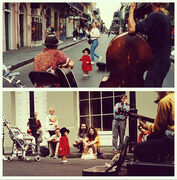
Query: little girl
[
  {"x": 86, "y": 62},
  {"x": 64, "y": 148}
]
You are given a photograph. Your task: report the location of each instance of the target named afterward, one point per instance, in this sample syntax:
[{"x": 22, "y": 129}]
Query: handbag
[{"x": 90, "y": 41}]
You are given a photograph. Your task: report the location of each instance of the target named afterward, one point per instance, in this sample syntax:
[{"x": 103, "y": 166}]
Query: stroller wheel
[
  {"x": 27, "y": 158},
  {"x": 37, "y": 158},
  {"x": 9, "y": 158}
]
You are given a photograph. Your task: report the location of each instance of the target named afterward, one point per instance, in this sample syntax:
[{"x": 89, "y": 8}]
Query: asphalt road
[
  {"x": 96, "y": 76},
  {"x": 49, "y": 167}
]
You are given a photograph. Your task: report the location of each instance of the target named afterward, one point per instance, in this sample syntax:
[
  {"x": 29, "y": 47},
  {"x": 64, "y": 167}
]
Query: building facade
[
  {"x": 72, "y": 108},
  {"x": 25, "y": 23}
]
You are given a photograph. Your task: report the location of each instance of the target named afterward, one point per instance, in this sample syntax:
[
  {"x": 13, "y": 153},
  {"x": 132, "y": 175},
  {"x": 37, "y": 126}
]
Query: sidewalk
[
  {"x": 25, "y": 55},
  {"x": 107, "y": 150}
]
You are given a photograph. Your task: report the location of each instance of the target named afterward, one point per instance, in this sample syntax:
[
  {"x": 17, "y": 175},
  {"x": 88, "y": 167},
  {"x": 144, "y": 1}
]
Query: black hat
[
  {"x": 51, "y": 40},
  {"x": 86, "y": 49},
  {"x": 63, "y": 130}
]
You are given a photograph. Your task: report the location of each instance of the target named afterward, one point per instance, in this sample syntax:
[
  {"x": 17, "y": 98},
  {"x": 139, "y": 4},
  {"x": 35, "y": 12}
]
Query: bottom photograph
[{"x": 88, "y": 133}]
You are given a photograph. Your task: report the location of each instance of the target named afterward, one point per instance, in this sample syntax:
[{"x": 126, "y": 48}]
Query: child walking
[
  {"x": 64, "y": 148},
  {"x": 86, "y": 62}
]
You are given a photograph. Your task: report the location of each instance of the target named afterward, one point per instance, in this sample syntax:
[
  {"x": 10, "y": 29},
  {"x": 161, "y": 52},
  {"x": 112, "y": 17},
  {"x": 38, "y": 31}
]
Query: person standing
[
  {"x": 158, "y": 29},
  {"x": 64, "y": 148},
  {"x": 51, "y": 122},
  {"x": 94, "y": 35},
  {"x": 86, "y": 62},
  {"x": 119, "y": 123}
]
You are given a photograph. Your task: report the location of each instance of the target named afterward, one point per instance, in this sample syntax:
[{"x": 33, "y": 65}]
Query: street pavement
[
  {"x": 49, "y": 167},
  {"x": 74, "y": 51}
]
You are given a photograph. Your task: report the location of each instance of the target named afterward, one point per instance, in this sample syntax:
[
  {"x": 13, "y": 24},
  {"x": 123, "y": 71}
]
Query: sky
[{"x": 107, "y": 10}]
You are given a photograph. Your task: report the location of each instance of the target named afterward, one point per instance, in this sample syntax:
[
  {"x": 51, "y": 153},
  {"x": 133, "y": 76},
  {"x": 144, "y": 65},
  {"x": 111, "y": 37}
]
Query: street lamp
[
  {"x": 32, "y": 121},
  {"x": 132, "y": 121}
]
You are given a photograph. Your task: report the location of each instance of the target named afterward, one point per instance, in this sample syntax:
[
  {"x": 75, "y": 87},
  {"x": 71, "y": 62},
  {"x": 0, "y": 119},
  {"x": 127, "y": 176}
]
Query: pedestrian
[
  {"x": 119, "y": 123},
  {"x": 94, "y": 35},
  {"x": 50, "y": 58},
  {"x": 80, "y": 137},
  {"x": 161, "y": 139},
  {"x": 87, "y": 34},
  {"x": 86, "y": 62},
  {"x": 91, "y": 144},
  {"x": 158, "y": 29},
  {"x": 53, "y": 142},
  {"x": 81, "y": 33},
  {"x": 75, "y": 34},
  {"x": 48, "y": 30},
  {"x": 51, "y": 122},
  {"x": 64, "y": 148}
]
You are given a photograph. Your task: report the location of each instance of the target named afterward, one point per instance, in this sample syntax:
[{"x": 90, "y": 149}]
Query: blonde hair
[{"x": 51, "y": 109}]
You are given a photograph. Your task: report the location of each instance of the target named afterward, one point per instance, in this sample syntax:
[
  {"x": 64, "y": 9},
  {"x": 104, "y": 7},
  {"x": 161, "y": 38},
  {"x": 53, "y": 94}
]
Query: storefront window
[{"x": 96, "y": 108}]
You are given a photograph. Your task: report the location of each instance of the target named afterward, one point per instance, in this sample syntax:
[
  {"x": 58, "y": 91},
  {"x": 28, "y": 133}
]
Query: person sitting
[
  {"x": 143, "y": 134},
  {"x": 80, "y": 137},
  {"x": 54, "y": 144},
  {"x": 91, "y": 144},
  {"x": 161, "y": 139},
  {"x": 51, "y": 57}
]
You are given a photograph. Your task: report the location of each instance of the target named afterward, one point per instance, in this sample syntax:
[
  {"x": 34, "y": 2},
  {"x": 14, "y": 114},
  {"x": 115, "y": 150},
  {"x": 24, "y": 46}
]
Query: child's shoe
[{"x": 65, "y": 162}]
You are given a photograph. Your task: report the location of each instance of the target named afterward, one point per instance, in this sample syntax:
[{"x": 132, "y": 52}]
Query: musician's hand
[
  {"x": 132, "y": 6},
  {"x": 145, "y": 126}
]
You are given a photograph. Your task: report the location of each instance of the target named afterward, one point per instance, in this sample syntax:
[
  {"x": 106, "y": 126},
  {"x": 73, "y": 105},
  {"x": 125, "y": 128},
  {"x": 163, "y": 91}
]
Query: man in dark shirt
[{"x": 157, "y": 27}]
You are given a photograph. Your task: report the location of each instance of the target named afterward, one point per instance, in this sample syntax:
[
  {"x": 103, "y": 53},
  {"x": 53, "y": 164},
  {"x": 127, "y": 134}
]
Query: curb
[{"x": 20, "y": 64}]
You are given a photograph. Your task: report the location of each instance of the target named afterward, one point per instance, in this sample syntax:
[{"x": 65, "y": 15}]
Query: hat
[
  {"x": 86, "y": 49},
  {"x": 29, "y": 131},
  {"x": 51, "y": 40},
  {"x": 63, "y": 130}
]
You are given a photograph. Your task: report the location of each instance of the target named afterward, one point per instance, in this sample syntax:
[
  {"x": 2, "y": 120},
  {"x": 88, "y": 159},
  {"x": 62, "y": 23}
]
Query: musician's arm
[
  {"x": 162, "y": 118},
  {"x": 131, "y": 21}
]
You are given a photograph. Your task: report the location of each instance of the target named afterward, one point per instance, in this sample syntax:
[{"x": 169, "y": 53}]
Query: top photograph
[{"x": 89, "y": 44}]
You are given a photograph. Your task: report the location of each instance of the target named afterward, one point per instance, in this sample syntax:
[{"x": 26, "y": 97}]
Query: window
[{"x": 96, "y": 108}]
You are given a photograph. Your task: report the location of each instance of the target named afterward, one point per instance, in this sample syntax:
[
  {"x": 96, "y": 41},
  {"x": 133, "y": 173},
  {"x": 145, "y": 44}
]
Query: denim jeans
[
  {"x": 118, "y": 129},
  {"x": 92, "y": 49}
]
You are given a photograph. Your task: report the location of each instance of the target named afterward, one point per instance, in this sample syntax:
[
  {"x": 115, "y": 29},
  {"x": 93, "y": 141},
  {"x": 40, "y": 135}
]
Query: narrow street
[{"x": 75, "y": 52}]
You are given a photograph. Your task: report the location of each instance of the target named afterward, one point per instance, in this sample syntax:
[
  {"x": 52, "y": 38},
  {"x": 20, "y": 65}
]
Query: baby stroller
[{"x": 23, "y": 146}]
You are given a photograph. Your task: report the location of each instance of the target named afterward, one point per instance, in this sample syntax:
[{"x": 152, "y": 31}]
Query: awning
[{"x": 74, "y": 7}]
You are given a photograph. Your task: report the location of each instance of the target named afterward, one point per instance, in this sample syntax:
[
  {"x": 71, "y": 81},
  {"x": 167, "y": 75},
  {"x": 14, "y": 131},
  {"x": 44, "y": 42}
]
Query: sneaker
[
  {"x": 87, "y": 75},
  {"x": 55, "y": 157},
  {"x": 65, "y": 162},
  {"x": 49, "y": 156},
  {"x": 92, "y": 62},
  {"x": 99, "y": 60}
]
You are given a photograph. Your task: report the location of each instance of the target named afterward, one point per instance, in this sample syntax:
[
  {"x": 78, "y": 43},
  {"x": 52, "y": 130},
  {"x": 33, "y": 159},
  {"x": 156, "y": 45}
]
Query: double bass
[{"x": 128, "y": 56}]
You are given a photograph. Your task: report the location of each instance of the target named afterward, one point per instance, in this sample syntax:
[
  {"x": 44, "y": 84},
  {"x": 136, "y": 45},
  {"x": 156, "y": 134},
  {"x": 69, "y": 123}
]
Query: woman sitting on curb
[{"x": 91, "y": 144}]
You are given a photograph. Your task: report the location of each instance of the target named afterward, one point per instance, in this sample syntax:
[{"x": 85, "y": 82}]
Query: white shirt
[
  {"x": 50, "y": 126},
  {"x": 94, "y": 32}
]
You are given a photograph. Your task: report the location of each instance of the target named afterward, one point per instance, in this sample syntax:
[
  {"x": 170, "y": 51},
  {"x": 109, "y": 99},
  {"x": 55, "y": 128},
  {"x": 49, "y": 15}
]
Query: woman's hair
[
  {"x": 162, "y": 7},
  {"x": 92, "y": 137}
]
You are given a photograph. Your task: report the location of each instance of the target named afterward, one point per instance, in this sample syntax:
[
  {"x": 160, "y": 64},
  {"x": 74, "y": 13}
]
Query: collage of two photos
[{"x": 87, "y": 91}]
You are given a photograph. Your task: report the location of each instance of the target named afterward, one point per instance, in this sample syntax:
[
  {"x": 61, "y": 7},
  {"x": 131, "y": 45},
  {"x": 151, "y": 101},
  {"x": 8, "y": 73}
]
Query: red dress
[
  {"x": 86, "y": 63},
  {"x": 64, "y": 148}
]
